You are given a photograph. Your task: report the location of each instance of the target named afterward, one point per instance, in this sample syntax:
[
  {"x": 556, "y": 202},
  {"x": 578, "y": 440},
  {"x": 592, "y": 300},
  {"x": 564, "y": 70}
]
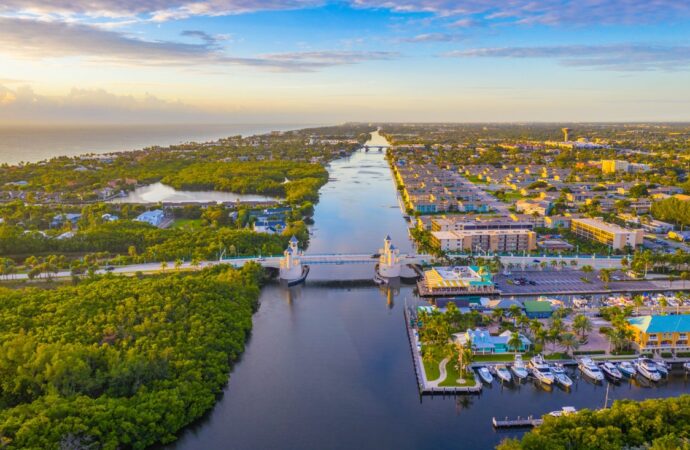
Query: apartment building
[
  {"x": 609, "y": 234},
  {"x": 485, "y": 240}
]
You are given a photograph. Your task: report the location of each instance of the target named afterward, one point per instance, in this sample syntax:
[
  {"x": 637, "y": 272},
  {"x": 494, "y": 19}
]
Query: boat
[
  {"x": 560, "y": 376},
  {"x": 541, "y": 370},
  {"x": 485, "y": 375},
  {"x": 379, "y": 280},
  {"x": 626, "y": 368},
  {"x": 503, "y": 373},
  {"x": 296, "y": 281},
  {"x": 518, "y": 368},
  {"x": 661, "y": 367},
  {"x": 648, "y": 369},
  {"x": 564, "y": 411},
  {"x": 611, "y": 371},
  {"x": 587, "y": 366},
  {"x": 686, "y": 366}
]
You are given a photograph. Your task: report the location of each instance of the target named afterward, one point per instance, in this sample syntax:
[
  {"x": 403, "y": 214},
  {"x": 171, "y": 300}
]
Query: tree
[
  {"x": 582, "y": 324},
  {"x": 569, "y": 342},
  {"x": 605, "y": 277},
  {"x": 497, "y": 314},
  {"x": 587, "y": 269},
  {"x": 178, "y": 264},
  {"x": 164, "y": 265},
  {"x": 515, "y": 342}
]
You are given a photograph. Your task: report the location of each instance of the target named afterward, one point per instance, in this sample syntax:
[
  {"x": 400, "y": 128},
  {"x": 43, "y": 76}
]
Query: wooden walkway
[{"x": 520, "y": 422}]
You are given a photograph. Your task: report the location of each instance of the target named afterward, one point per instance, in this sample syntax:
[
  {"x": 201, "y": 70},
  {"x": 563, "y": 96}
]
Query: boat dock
[{"x": 520, "y": 422}]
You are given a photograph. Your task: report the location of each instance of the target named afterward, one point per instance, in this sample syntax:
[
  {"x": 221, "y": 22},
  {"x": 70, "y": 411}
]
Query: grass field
[
  {"x": 453, "y": 375},
  {"x": 190, "y": 224},
  {"x": 431, "y": 370}
]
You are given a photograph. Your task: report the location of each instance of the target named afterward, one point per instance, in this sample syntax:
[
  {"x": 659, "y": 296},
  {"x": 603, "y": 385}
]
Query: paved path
[{"x": 443, "y": 374}]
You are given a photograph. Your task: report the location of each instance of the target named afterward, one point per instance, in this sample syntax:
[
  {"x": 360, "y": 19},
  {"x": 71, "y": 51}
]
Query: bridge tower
[
  {"x": 290, "y": 263},
  {"x": 389, "y": 260}
]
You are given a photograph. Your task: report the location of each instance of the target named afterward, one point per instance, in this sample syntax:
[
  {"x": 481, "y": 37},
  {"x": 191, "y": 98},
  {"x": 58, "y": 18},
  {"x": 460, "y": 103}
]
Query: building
[
  {"x": 657, "y": 226},
  {"x": 459, "y": 280},
  {"x": 154, "y": 217},
  {"x": 615, "y": 165},
  {"x": 535, "y": 309},
  {"x": 459, "y": 223},
  {"x": 661, "y": 333},
  {"x": 503, "y": 241},
  {"x": 483, "y": 342},
  {"x": 616, "y": 237},
  {"x": 62, "y": 219}
]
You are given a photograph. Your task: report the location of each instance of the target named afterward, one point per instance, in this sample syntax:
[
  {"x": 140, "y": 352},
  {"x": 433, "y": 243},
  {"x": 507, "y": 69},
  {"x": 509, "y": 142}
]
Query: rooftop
[{"x": 661, "y": 324}]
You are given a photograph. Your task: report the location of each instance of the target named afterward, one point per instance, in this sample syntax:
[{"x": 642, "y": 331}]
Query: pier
[{"x": 519, "y": 422}]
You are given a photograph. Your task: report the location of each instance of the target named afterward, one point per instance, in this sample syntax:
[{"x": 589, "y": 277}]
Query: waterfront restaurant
[
  {"x": 454, "y": 281},
  {"x": 665, "y": 334}
]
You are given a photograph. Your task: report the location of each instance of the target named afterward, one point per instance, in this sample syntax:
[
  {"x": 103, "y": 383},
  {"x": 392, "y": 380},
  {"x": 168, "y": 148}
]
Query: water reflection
[{"x": 159, "y": 192}]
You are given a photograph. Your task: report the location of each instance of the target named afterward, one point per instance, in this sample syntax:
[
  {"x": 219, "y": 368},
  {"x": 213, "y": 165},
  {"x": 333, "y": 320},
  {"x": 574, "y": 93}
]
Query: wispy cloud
[
  {"x": 34, "y": 39},
  {"x": 433, "y": 37},
  {"x": 548, "y": 12},
  {"x": 618, "y": 57}
]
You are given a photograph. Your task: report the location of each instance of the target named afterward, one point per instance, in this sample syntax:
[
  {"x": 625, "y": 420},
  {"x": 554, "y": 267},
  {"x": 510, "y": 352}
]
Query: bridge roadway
[{"x": 348, "y": 258}]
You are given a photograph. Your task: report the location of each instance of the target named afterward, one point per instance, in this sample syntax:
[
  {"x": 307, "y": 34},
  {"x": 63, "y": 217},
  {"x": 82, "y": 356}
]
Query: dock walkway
[{"x": 520, "y": 422}]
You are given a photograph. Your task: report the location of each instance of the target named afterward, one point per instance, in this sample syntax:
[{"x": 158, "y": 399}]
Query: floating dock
[{"x": 520, "y": 422}]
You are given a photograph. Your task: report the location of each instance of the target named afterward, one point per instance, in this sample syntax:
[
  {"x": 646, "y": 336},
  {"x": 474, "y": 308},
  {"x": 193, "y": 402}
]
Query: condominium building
[
  {"x": 460, "y": 223},
  {"x": 609, "y": 234},
  {"x": 661, "y": 333},
  {"x": 486, "y": 240},
  {"x": 614, "y": 165}
]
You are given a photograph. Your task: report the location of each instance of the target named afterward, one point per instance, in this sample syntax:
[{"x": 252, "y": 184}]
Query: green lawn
[
  {"x": 453, "y": 375},
  {"x": 192, "y": 224},
  {"x": 431, "y": 370}
]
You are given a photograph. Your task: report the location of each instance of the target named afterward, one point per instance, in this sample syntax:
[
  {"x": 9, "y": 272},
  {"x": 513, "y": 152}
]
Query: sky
[{"x": 318, "y": 61}]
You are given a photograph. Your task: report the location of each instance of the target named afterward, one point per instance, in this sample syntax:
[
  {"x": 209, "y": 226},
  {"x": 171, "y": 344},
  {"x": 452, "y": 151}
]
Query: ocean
[{"x": 37, "y": 143}]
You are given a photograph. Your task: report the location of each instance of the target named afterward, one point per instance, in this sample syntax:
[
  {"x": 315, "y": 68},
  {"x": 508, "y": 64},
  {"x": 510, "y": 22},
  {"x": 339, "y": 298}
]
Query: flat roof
[
  {"x": 610, "y": 227},
  {"x": 462, "y": 233}
]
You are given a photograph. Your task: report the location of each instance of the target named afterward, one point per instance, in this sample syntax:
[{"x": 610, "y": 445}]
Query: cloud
[
  {"x": 23, "y": 104},
  {"x": 433, "y": 37},
  {"x": 618, "y": 57},
  {"x": 25, "y": 38},
  {"x": 547, "y": 12}
]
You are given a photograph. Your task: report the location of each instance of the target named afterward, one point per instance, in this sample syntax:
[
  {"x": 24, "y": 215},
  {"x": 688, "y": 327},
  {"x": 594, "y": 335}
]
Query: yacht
[
  {"x": 661, "y": 367},
  {"x": 590, "y": 369},
  {"x": 519, "y": 368},
  {"x": 560, "y": 376},
  {"x": 564, "y": 411},
  {"x": 541, "y": 370},
  {"x": 485, "y": 375},
  {"x": 503, "y": 373},
  {"x": 647, "y": 369},
  {"x": 686, "y": 366},
  {"x": 611, "y": 371},
  {"x": 626, "y": 368}
]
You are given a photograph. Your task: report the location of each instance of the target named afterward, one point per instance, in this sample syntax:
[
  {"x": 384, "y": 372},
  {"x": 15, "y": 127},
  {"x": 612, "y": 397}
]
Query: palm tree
[
  {"x": 178, "y": 264},
  {"x": 582, "y": 324},
  {"x": 515, "y": 342},
  {"x": 464, "y": 356},
  {"x": 663, "y": 304},
  {"x": 638, "y": 300},
  {"x": 605, "y": 277},
  {"x": 569, "y": 342},
  {"x": 497, "y": 314},
  {"x": 164, "y": 265},
  {"x": 587, "y": 269}
]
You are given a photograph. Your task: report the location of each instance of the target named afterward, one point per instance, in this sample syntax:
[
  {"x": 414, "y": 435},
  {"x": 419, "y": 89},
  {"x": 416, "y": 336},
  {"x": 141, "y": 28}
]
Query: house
[
  {"x": 60, "y": 219},
  {"x": 535, "y": 309},
  {"x": 109, "y": 217},
  {"x": 483, "y": 342},
  {"x": 154, "y": 217},
  {"x": 661, "y": 333}
]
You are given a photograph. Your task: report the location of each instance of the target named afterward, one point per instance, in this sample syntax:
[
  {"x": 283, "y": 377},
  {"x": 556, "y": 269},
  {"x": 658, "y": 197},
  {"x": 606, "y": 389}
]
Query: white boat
[
  {"x": 485, "y": 375},
  {"x": 541, "y": 370},
  {"x": 626, "y": 368},
  {"x": 647, "y": 369},
  {"x": 560, "y": 376},
  {"x": 661, "y": 367},
  {"x": 518, "y": 368},
  {"x": 564, "y": 411},
  {"x": 686, "y": 366},
  {"x": 503, "y": 373},
  {"x": 611, "y": 371},
  {"x": 587, "y": 366}
]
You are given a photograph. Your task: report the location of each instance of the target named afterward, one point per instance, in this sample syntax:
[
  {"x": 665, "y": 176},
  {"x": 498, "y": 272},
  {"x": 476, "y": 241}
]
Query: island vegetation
[
  {"x": 653, "y": 424},
  {"x": 118, "y": 362}
]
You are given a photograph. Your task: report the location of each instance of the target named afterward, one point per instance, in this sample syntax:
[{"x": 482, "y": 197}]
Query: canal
[{"x": 329, "y": 367}]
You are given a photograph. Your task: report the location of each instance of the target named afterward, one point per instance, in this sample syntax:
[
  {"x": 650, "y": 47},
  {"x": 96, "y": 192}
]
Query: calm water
[
  {"x": 330, "y": 368},
  {"x": 38, "y": 143},
  {"x": 159, "y": 192}
]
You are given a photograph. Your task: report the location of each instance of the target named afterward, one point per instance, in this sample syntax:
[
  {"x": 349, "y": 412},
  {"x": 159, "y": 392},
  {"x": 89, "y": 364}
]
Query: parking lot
[{"x": 569, "y": 281}]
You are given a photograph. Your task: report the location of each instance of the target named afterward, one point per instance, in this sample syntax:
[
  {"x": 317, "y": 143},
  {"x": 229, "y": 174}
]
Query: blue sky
[{"x": 364, "y": 60}]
